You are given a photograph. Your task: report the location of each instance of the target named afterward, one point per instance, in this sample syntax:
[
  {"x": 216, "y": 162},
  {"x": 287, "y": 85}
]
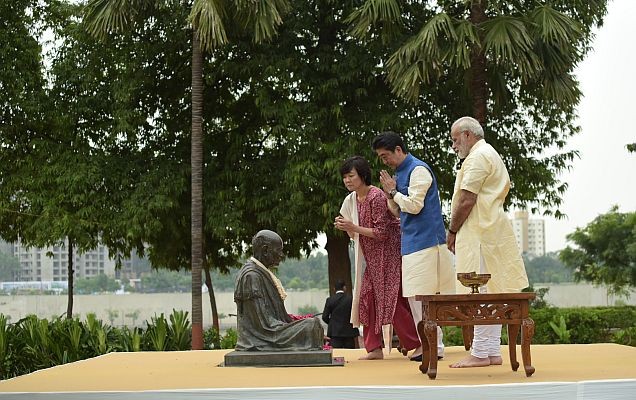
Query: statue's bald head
[{"x": 268, "y": 248}]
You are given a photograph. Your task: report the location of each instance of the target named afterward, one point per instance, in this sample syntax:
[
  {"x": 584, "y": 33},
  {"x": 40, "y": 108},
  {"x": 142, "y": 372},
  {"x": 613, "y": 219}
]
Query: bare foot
[
  {"x": 471, "y": 361},
  {"x": 416, "y": 353},
  {"x": 373, "y": 355},
  {"x": 495, "y": 360}
]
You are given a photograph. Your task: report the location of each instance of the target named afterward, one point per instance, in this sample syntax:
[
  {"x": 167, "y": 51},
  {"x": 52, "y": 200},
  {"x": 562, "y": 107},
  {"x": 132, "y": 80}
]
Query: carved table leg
[
  {"x": 513, "y": 331},
  {"x": 527, "y": 333},
  {"x": 430, "y": 357},
  {"x": 425, "y": 348},
  {"x": 467, "y": 335}
]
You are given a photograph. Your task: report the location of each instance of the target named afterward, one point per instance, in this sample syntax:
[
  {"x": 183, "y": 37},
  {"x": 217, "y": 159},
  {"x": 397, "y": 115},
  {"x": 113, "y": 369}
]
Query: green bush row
[
  {"x": 31, "y": 344},
  {"x": 572, "y": 325}
]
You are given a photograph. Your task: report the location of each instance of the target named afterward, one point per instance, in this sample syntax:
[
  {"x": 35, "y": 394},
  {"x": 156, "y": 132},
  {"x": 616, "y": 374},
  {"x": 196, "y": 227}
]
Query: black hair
[
  {"x": 340, "y": 284},
  {"x": 360, "y": 165},
  {"x": 388, "y": 140}
]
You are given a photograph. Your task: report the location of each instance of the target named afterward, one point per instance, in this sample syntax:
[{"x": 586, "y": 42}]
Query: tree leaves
[{"x": 605, "y": 251}]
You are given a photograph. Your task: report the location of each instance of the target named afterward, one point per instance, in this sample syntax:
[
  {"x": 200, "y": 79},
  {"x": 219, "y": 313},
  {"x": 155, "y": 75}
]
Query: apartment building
[
  {"x": 51, "y": 263},
  {"x": 530, "y": 233}
]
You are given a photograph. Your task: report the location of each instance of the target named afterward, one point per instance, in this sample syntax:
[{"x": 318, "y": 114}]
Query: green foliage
[
  {"x": 179, "y": 331},
  {"x": 211, "y": 338},
  {"x": 130, "y": 339},
  {"x": 626, "y": 336},
  {"x": 159, "y": 281},
  {"x": 294, "y": 273},
  {"x": 585, "y": 325},
  {"x": 97, "y": 335},
  {"x": 31, "y": 343},
  {"x": 507, "y": 65},
  {"x": 228, "y": 341},
  {"x": 605, "y": 252},
  {"x": 547, "y": 269},
  {"x": 571, "y": 325},
  {"x": 308, "y": 309},
  {"x": 310, "y": 272},
  {"x": 561, "y": 330},
  {"x": 453, "y": 336},
  {"x": 539, "y": 300},
  {"x": 96, "y": 284},
  {"x": 4, "y": 345},
  {"x": 157, "y": 333},
  {"x": 9, "y": 267}
]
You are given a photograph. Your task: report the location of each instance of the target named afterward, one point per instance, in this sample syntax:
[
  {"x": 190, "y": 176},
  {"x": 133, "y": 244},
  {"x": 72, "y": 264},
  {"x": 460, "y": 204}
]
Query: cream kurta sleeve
[{"x": 419, "y": 183}]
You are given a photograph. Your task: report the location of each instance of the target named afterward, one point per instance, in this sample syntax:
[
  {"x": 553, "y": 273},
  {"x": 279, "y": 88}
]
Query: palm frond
[
  {"x": 406, "y": 81},
  {"x": 207, "y": 18},
  {"x": 466, "y": 39},
  {"x": 554, "y": 27},
  {"x": 561, "y": 89},
  {"x": 105, "y": 16},
  {"x": 263, "y": 16},
  {"x": 508, "y": 42},
  {"x": 421, "y": 58},
  {"x": 372, "y": 12}
]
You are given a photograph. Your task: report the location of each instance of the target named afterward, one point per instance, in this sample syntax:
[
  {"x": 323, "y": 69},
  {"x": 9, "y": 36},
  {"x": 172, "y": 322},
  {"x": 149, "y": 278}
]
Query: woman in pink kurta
[{"x": 381, "y": 300}]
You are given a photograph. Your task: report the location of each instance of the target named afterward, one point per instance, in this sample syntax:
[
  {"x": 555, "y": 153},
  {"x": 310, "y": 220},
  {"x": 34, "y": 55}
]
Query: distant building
[
  {"x": 530, "y": 234},
  {"x": 50, "y": 264}
]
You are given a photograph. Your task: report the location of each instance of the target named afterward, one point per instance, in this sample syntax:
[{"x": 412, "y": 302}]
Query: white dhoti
[
  {"x": 487, "y": 338},
  {"x": 427, "y": 271}
]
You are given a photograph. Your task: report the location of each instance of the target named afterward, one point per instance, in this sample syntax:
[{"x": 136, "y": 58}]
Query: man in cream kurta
[{"x": 480, "y": 233}]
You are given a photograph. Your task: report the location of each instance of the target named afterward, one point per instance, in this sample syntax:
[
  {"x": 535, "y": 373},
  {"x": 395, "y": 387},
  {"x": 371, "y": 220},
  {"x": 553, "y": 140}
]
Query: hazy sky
[{"x": 604, "y": 174}]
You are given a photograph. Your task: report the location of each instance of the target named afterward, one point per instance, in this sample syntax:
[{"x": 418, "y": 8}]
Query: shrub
[
  {"x": 211, "y": 339},
  {"x": 228, "y": 341},
  {"x": 308, "y": 309}
]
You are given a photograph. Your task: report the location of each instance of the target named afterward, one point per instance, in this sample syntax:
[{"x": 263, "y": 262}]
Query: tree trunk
[
  {"x": 196, "y": 159},
  {"x": 339, "y": 263},
  {"x": 69, "y": 304},
  {"x": 478, "y": 76},
  {"x": 215, "y": 312}
]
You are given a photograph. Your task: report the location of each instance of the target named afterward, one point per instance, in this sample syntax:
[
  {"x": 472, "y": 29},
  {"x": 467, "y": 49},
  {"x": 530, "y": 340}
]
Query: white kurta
[{"x": 487, "y": 231}]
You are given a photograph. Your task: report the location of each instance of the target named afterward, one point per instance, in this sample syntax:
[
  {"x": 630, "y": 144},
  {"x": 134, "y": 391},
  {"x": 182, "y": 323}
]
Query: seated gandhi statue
[{"x": 263, "y": 324}]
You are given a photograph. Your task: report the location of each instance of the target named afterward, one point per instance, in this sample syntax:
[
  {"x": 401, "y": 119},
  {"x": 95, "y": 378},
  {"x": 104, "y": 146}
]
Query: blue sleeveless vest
[{"x": 426, "y": 229}]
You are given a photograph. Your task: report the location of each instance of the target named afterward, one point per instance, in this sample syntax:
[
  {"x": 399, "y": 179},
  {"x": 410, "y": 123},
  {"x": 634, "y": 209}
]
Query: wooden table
[{"x": 467, "y": 310}]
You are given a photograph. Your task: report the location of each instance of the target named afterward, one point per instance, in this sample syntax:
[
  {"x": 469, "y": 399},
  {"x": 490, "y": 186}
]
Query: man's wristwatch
[{"x": 392, "y": 193}]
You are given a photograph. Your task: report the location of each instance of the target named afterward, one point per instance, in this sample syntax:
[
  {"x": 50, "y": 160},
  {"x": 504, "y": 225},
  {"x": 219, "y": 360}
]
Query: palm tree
[
  {"x": 488, "y": 44},
  {"x": 209, "y": 20}
]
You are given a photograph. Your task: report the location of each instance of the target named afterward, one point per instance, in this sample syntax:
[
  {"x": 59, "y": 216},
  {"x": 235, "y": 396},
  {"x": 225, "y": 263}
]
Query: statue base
[{"x": 317, "y": 358}]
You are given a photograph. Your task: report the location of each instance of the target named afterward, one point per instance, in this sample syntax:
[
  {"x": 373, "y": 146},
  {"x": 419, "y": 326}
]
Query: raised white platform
[{"x": 563, "y": 372}]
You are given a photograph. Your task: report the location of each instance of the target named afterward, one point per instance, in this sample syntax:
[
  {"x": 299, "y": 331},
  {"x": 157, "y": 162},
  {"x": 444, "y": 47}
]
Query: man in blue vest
[{"x": 427, "y": 265}]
